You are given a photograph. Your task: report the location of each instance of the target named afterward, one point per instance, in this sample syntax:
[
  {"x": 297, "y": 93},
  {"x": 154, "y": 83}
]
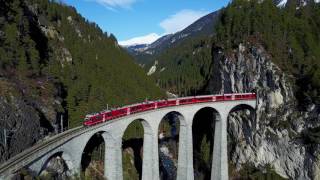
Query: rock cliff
[{"x": 276, "y": 135}]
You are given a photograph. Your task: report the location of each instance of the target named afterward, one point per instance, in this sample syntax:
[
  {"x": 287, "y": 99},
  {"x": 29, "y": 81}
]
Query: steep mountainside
[
  {"x": 202, "y": 27},
  {"x": 274, "y": 52},
  {"x": 55, "y": 64}
]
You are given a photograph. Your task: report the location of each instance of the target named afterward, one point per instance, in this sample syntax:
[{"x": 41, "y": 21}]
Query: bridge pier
[
  {"x": 150, "y": 164},
  {"x": 219, "y": 170},
  {"x": 185, "y": 156},
  {"x": 113, "y": 157}
]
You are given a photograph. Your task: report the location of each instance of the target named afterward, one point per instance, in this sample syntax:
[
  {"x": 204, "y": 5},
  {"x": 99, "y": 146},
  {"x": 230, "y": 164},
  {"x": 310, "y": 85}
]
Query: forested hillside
[
  {"x": 274, "y": 51},
  {"x": 185, "y": 68},
  {"x": 53, "y": 62},
  {"x": 289, "y": 34}
]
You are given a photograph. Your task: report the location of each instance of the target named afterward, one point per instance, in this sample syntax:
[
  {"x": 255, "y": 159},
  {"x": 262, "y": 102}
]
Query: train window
[
  {"x": 219, "y": 97},
  {"x": 98, "y": 117},
  {"x": 205, "y": 99}
]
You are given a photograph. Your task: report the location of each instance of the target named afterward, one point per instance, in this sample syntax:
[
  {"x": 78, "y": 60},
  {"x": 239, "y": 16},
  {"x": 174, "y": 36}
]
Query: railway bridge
[{"x": 71, "y": 144}]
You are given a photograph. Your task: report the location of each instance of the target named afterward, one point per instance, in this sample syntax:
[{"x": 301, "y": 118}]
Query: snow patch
[
  {"x": 282, "y": 3},
  {"x": 275, "y": 99},
  {"x": 162, "y": 69},
  {"x": 153, "y": 68},
  {"x": 147, "y": 39}
]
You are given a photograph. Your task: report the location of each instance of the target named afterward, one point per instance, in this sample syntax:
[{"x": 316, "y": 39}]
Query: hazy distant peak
[{"x": 147, "y": 39}]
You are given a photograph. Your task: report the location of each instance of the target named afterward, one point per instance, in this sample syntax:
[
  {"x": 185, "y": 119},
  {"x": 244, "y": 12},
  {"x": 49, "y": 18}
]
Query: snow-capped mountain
[
  {"x": 137, "y": 48},
  {"x": 144, "y": 53},
  {"x": 203, "y": 26}
]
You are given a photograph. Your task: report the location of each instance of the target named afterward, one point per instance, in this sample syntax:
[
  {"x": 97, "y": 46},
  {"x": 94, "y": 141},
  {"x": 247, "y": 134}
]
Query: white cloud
[
  {"x": 111, "y": 4},
  {"x": 147, "y": 39},
  {"x": 172, "y": 24},
  {"x": 181, "y": 20}
]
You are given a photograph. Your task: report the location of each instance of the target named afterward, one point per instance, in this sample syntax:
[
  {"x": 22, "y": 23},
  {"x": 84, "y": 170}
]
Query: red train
[{"x": 97, "y": 118}]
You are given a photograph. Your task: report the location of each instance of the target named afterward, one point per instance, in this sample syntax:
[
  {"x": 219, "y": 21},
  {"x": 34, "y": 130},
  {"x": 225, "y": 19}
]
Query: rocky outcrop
[
  {"x": 56, "y": 168},
  {"x": 275, "y": 135},
  {"x": 25, "y": 117},
  {"x": 17, "y": 120}
]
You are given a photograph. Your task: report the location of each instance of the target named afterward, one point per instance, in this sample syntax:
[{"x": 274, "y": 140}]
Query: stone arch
[
  {"x": 241, "y": 106},
  {"x": 57, "y": 165},
  {"x": 241, "y": 124},
  {"x": 93, "y": 153},
  {"x": 133, "y": 138},
  {"x": 203, "y": 136},
  {"x": 168, "y": 143}
]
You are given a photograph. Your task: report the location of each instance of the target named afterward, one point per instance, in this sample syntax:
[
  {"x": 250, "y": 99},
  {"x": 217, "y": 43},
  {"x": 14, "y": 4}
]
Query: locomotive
[{"x": 104, "y": 116}]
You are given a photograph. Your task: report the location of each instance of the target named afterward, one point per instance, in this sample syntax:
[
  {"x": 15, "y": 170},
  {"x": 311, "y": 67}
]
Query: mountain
[
  {"x": 202, "y": 27},
  {"x": 137, "y": 48},
  {"x": 54, "y": 65},
  {"x": 275, "y": 52}
]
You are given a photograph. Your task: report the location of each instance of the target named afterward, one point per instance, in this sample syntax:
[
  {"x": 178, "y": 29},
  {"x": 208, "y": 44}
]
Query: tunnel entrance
[
  {"x": 132, "y": 151},
  {"x": 92, "y": 161},
  {"x": 168, "y": 133},
  {"x": 203, "y": 129},
  {"x": 240, "y": 127}
]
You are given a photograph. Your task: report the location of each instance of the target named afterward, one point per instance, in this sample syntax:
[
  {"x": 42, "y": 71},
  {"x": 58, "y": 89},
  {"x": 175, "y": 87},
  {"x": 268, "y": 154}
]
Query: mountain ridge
[{"x": 201, "y": 27}]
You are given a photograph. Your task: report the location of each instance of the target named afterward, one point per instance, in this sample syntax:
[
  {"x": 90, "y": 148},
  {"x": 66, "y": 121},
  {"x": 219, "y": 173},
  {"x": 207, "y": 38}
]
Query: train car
[
  {"x": 161, "y": 104},
  {"x": 219, "y": 98},
  {"x": 187, "y": 101},
  {"x": 166, "y": 103},
  {"x": 87, "y": 121},
  {"x": 107, "y": 116},
  {"x": 172, "y": 102},
  {"x": 204, "y": 99},
  {"x": 94, "y": 119},
  {"x": 136, "y": 108},
  {"x": 245, "y": 96},
  {"x": 149, "y": 106},
  {"x": 119, "y": 113},
  {"x": 228, "y": 97}
]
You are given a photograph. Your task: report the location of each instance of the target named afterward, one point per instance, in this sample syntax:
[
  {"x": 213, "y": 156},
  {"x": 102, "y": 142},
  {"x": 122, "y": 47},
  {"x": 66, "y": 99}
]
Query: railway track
[
  {"x": 14, "y": 164},
  {"x": 11, "y": 164}
]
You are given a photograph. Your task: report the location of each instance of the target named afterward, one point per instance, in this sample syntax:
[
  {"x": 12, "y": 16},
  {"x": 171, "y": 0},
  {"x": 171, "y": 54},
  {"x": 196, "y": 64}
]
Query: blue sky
[{"x": 137, "y": 21}]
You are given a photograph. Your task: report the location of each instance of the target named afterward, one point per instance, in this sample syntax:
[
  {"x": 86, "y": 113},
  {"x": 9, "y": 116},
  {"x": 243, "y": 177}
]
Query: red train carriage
[
  {"x": 166, "y": 103},
  {"x": 91, "y": 120},
  {"x": 107, "y": 116},
  {"x": 136, "y": 109},
  {"x": 149, "y": 106},
  {"x": 94, "y": 119},
  {"x": 119, "y": 113},
  {"x": 204, "y": 99},
  {"x": 220, "y": 98},
  {"x": 187, "y": 101}
]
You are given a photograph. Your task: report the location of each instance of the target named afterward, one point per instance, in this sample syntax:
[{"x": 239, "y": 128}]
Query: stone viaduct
[{"x": 72, "y": 143}]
